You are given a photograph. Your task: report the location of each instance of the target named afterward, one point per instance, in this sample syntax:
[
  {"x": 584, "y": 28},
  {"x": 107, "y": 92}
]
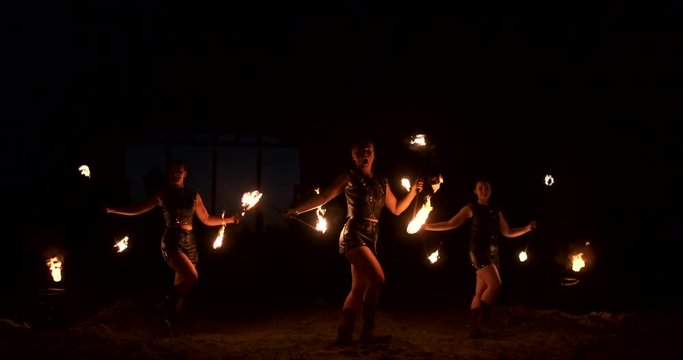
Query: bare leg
[
  {"x": 492, "y": 283},
  {"x": 487, "y": 288},
  {"x": 186, "y": 275},
  {"x": 369, "y": 280},
  {"x": 185, "y": 279}
]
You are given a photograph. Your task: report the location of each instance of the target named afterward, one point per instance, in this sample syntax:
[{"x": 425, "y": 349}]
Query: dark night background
[{"x": 586, "y": 91}]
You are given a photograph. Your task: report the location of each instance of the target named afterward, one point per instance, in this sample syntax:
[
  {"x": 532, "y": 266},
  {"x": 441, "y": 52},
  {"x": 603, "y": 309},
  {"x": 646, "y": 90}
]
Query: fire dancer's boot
[
  {"x": 368, "y": 334},
  {"x": 485, "y": 314},
  {"x": 347, "y": 324},
  {"x": 475, "y": 324},
  {"x": 168, "y": 309}
]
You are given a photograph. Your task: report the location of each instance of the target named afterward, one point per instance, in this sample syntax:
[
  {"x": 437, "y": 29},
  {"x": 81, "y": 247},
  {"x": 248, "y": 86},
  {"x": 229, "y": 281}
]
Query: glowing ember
[
  {"x": 549, "y": 180},
  {"x": 577, "y": 262},
  {"x": 221, "y": 232},
  {"x": 418, "y": 139},
  {"x": 250, "y": 199},
  {"x": 55, "y": 266},
  {"x": 405, "y": 183},
  {"x": 421, "y": 217},
  {"x": 85, "y": 170},
  {"x": 434, "y": 257},
  {"x": 122, "y": 244},
  {"x": 522, "y": 256}
]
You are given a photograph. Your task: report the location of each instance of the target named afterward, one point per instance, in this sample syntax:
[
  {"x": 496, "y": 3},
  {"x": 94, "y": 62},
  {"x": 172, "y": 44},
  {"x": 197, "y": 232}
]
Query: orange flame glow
[
  {"x": 55, "y": 266},
  {"x": 434, "y": 257},
  {"x": 250, "y": 199},
  {"x": 405, "y": 183},
  {"x": 577, "y": 262},
  {"x": 221, "y": 232},
  {"x": 321, "y": 225},
  {"x": 122, "y": 244},
  {"x": 421, "y": 217}
]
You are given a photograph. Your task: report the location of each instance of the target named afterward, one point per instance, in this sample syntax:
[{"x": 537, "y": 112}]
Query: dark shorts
[
  {"x": 481, "y": 257},
  {"x": 178, "y": 240},
  {"x": 357, "y": 233}
]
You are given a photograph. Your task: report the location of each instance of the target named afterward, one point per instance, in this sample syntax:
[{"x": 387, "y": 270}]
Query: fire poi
[
  {"x": 321, "y": 225},
  {"x": 221, "y": 233},
  {"x": 55, "y": 266},
  {"x": 122, "y": 244}
]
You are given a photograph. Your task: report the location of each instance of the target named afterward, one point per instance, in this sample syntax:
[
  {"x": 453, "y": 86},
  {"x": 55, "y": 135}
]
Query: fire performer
[
  {"x": 487, "y": 221},
  {"x": 367, "y": 193},
  {"x": 178, "y": 246}
]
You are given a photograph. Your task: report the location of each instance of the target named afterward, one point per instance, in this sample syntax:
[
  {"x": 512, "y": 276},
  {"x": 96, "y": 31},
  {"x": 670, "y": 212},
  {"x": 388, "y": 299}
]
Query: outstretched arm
[
  {"x": 320, "y": 199},
  {"x": 212, "y": 220},
  {"x": 514, "y": 232},
  {"x": 397, "y": 207},
  {"x": 138, "y": 209},
  {"x": 457, "y": 220}
]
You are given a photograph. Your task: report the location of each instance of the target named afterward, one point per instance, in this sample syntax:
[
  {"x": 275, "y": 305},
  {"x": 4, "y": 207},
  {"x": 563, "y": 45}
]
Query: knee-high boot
[
  {"x": 368, "y": 334},
  {"x": 345, "y": 328},
  {"x": 485, "y": 313},
  {"x": 168, "y": 308},
  {"x": 475, "y": 323}
]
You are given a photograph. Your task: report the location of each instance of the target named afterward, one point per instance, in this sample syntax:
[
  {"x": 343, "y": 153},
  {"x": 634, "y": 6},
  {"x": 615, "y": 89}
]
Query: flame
[
  {"x": 548, "y": 180},
  {"x": 219, "y": 238},
  {"x": 405, "y": 183},
  {"x": 418, "y": 139},
  {"x": 122, "y": 244},
  {"x": 577, "y": 262},
  {"x": 55, "y": 265},
  {"x": 523, "y": 256},
  {"x": 85, "y": 170},
  {"x": 434, "y": 257},
  {"x": 250, "y": 199},
  {"x": 322, "y": 222},
  {"x": 421, "y": 217},
  {"x": 321, "y": 225}
]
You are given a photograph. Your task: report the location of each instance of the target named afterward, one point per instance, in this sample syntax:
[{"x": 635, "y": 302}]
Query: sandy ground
[{"x": 128, "y": 328}]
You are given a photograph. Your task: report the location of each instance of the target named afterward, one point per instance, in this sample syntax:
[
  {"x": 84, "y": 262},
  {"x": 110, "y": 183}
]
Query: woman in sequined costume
[
  {"x": 178, "y": 246},
  {"x": 487, "y": 221},
  {"x": 367, "y": 193}
]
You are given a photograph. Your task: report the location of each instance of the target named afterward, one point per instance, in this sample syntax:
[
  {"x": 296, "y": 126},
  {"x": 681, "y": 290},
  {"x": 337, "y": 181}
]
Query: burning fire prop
[
  {"x": 219, "y": 238},
  {"x": 577, "y": 262},
  {"x": 548, "y": 180},
  {"x": 249, "y": 200},
  {"x": 85, "y": 170},
  {"x": 434, "y": 257},
  {"x": 419, "y": 140},
  {"x": 321, "y": 225},
  {"x": 421, "y": 216},
  {"x": 406, "y": 184},
  {"x": 121, "y": 244},
  {"x": 55, "y": 266}
]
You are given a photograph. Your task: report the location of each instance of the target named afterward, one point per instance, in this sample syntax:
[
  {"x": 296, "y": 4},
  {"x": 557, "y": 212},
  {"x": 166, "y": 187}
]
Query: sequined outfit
[
  {"x": 483, "y": 249},
  {"x": 364, "y": 200},
  {"x": 178, "y": 206}
]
